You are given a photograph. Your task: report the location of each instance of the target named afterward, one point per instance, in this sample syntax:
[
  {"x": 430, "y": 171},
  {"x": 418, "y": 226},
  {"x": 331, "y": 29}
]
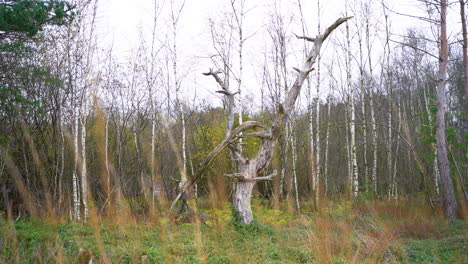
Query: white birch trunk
[
  {"x": 354, "y": 169},
  {"x": 84, "y": 174},
  {"x": 389, "y": 145},
  {"x": 62, "y": 161},
  {"x": 433, "y": 145},
  {"x": 239, "y": 17},
  {"x": 325, "y": 173},
  {"x": 317, "y": 118},
  {"x": 106, "y": 151},
  {"x": 389, "y": 108},
  {"x": 348, "y": 150},
  {"x": 175, "y": 18},
  {"x": 153, "y": 148},
  {"x": 374, "y": 142},
  {"x": 76, "y": 195},
  {"x": 184, "y": 178},
  {"x": 363, "y": 103},
  {"x": 354, "y": 149},
  {"x": 372, "y": 107},
  {"x": 294, "y": 158},
  {"x": 364, "y": 134}
]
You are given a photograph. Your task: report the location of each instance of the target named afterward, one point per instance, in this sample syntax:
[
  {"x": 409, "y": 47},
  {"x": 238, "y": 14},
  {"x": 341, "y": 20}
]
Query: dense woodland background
[{"x": 81, "y": 127}]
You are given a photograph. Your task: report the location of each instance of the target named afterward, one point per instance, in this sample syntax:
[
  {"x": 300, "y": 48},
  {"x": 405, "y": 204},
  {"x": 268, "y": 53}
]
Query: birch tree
[
  {"x": 176, "y": 12},
  {"x": 354, "y": 181}
]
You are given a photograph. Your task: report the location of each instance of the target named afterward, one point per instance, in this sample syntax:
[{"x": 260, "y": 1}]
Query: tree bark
[
  {"x": 433, "y": 145},
  {"x": 294, "y": 158},
  {"x": 465, "y": 53},
  {"x": 354, "y": 181},
  {"x": 84, "y": 174},
  {"x": 448, "y": 195},
  {"x": 243, "y": 192},
  {"x": 317, "y": 121},
  {"x": 325, "y": 173},
  {"x": 76, "y": 196},
  {"x": 371, "y": 105}
]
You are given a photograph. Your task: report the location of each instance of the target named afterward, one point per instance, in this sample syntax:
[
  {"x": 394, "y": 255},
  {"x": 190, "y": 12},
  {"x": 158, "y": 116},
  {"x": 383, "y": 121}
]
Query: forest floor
[{"x": 340, "y": 233}]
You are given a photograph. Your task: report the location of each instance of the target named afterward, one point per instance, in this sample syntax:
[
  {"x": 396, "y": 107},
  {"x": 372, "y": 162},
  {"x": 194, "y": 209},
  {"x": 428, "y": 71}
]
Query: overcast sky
[{"x": 119, "y": 23}]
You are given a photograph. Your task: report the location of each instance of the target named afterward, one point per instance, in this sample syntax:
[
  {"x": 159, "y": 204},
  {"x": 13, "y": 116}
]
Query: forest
[{"x": 233, "y": 131}]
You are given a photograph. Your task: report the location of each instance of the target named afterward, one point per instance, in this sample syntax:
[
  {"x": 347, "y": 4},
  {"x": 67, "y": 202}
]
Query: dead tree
[{"x": 250, "y": 169}]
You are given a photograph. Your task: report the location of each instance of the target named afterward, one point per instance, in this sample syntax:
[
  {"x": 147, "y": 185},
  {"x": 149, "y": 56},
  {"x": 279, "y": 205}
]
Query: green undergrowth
[{"x": 337, "y": 234}]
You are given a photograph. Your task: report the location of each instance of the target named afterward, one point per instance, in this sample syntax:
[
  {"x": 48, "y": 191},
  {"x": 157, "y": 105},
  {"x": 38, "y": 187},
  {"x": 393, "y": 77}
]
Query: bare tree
[{"x": 251, "y": 168}]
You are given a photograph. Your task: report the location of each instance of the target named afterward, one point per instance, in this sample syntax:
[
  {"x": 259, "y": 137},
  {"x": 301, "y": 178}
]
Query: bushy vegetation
[{"x": 380, "y": 232}]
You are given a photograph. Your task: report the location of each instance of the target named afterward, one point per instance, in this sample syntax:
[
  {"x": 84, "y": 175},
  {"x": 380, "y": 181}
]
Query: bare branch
[
  {"x": 266, "y": 178},
  {"x": 263, "y": 134},
  {"x": 306, "y": 38},
  {"x": 235, "y": 175},
  {"x": 416, "y": 48}
]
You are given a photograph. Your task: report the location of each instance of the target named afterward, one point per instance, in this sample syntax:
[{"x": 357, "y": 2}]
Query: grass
[{"x": 339, "y": 233}]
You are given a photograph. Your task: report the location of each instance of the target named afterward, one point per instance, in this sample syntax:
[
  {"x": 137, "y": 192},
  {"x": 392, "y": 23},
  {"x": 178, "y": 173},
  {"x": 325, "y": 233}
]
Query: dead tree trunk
[{"x": 250, "y": 169}]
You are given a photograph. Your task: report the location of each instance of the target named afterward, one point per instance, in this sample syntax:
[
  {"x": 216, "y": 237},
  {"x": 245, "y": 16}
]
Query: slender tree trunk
[
  {"x": 395, "y": 167},
  {"x": 465, "y": 53},
  {"x": 108, "y": 177},
  {"x": 389, "y": 108},
  {"x": 348, "y": 150},
  {"x": 153, "y": 149},
  {"x": 372, "y": 109},
  {"x": 450, "y": 203},
  {"x": 325, "y": 173},
  {"x": 311, "y": 158},
  {"x": 76, "y": 196},
  {"x": 195, "y": 191},
  {"x": 184, "y": 178},
  {"x": 6, "y": 199},
  {"x": 364, "y": 135},
  {"x": 433, "y": 145},
  {"x": 62, "y": 162},
  {"x": 374, "y": 142},
  {"x": 138, "y": 157},
  {"x": 175, "y": 18},
  {"x": 389, "y": 145},
  {"x": 239, "y": 88},
  {"x": 294, "y": 152},
  {"x": 317, "y": 120},
  {"x": 363, "y": 103},
  {"x": 354, "y": 149},
  {"x": 364, "y": 120},
  {"x": 239, "y": 17},
  {"x": 84, "y": 174},
  {"x": 352, "y": 126}
]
